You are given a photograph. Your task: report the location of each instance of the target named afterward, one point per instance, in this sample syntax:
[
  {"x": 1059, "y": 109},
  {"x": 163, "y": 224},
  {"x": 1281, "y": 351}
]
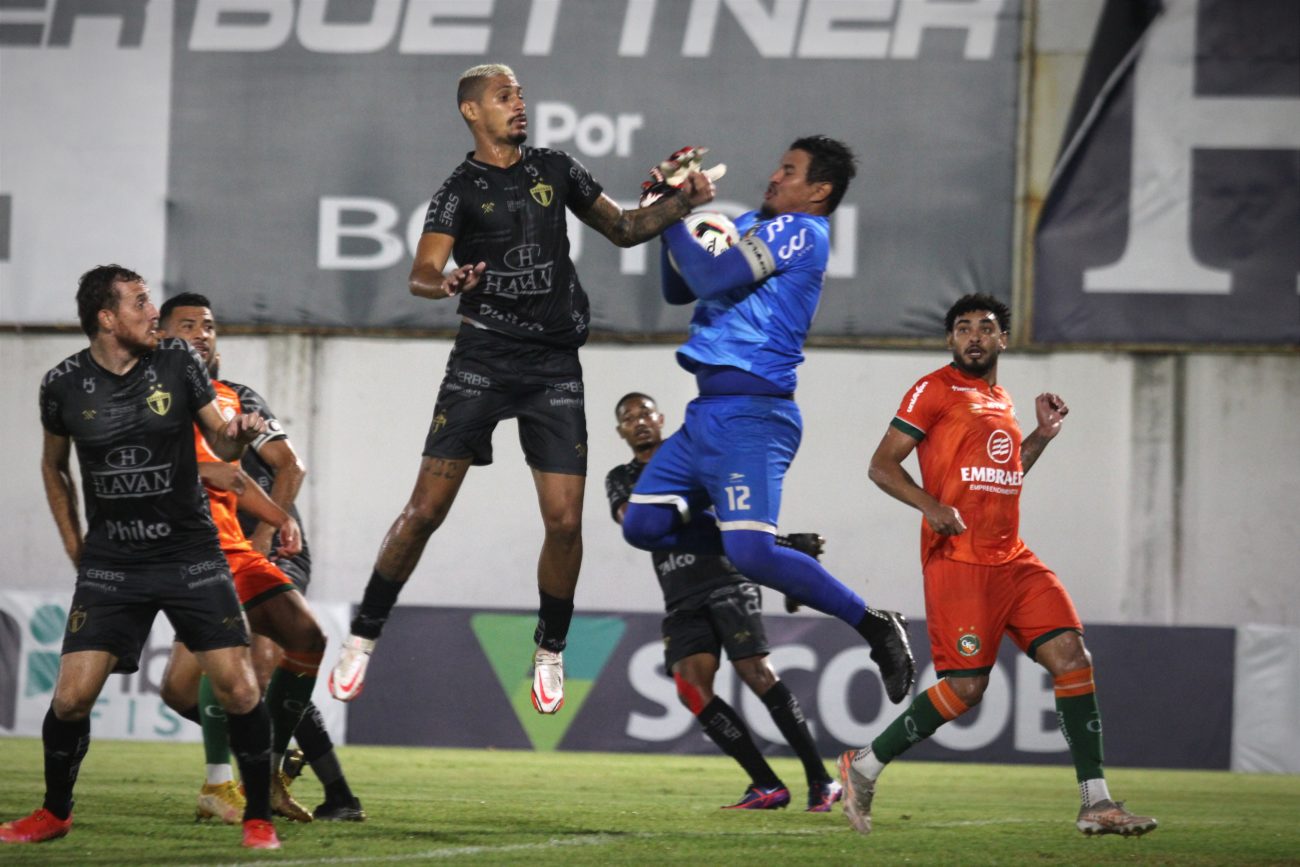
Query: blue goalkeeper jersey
[{"x": 761, "y": 327}]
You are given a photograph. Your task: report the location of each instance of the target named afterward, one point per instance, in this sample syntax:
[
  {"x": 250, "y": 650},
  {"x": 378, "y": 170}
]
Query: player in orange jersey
[
  {"x": 981, "y": 582},
  {"x": 273, "y": 604}
]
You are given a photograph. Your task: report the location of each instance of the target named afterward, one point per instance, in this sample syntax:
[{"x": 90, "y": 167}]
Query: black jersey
[
  {"x": 514, "y": 220},
  {"x": 134, "y": 435},
  {"x": 262, "y": 472},
  {"x": 681, "y": 574}
]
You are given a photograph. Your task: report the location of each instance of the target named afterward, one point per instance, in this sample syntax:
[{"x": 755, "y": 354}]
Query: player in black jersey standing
[
  {"x": 130, "y": 403},
  {"x": 524, "y": 314},
  {"x": 712, "y": 606}
]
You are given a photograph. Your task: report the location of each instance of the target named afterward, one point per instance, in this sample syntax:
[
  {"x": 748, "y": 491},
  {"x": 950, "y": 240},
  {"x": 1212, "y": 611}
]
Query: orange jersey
[
  {"x": 969, "y": 449},
  {"x": 224, "y": 503}
]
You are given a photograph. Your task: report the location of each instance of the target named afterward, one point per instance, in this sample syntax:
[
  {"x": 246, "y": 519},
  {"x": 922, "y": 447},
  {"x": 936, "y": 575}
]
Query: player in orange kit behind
[{"x": 272, "y": 603}]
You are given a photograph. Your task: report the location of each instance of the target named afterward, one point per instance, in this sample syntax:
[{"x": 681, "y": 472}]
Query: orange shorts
[
  {"x": 970, "y": 606},
  {"x": 256, "y": 578}
]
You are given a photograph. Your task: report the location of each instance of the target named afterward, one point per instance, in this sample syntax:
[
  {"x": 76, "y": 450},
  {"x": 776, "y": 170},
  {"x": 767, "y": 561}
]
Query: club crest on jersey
[
  {"x": 488, "y": 207},
  {"x": 76, "y": 619},
  {"x": 439, "y": 422},
  {"x": 968, "y": 644},
  {"x": 542, "y": 193},
  {"x": 159, "y": 401}
]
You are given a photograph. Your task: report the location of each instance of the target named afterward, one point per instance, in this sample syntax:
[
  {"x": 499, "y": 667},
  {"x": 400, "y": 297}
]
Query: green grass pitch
[{"x": 136, "y": 802}]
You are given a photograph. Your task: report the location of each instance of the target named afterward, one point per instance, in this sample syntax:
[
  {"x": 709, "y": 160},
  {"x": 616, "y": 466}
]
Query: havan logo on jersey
[{"x": 131, "y": 475}]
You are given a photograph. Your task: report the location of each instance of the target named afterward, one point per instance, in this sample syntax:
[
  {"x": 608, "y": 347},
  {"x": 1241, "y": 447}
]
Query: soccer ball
[{"x": 712, "y": 231}]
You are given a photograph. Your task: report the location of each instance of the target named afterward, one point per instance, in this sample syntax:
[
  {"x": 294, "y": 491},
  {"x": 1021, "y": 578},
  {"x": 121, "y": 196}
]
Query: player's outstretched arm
[
  {"x": 61, "y": 493},
  {"x": 427, "y": 279},
  {"x": 889, "y": 475},
  {"x": 638, "y": 225},
  {"x": 1051, "y": 411}
]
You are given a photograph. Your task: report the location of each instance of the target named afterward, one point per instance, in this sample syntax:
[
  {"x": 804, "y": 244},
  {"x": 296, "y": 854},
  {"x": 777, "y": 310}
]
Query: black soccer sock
[
  {"x": 190, "y": 713},
  {"x": 553, "y": 618},
  {"x": 250, "y": 741},
  {"x": 789, "y": 718},
  {"x": 376, "y": 604},
  {"x": 726, "y": 729},
  {"x": 318, "y": 751},
  {"x": 65, "y": 743}
]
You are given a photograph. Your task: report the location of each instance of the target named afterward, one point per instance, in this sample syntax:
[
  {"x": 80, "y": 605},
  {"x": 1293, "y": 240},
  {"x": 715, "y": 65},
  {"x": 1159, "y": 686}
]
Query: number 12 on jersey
[{"x": 737, "y": 497}]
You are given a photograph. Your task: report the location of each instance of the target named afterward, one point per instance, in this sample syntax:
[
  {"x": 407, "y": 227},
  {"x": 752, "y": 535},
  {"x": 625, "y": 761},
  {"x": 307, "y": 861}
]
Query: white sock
[
  {"x": 1092, "y": 791},
  {"x": 866, "y": 763},
  {"x": 218, "y": 774}
]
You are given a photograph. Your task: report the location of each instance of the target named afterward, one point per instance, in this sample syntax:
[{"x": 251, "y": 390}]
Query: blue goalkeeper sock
[
  {"x": 758, "y": 557},
  {"x": 658, "y": 527}
]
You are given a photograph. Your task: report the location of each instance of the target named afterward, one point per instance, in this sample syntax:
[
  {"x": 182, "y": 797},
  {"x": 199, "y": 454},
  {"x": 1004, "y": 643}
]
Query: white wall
[{"x": 1102, "y": 506}]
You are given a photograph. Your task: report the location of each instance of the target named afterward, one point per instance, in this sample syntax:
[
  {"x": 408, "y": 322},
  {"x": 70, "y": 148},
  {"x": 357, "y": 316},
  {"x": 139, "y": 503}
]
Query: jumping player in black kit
[
  {"x": 524, "y": 314},
  {"x": 711, "y": 606},
  {"x": 130, "y": 402}
]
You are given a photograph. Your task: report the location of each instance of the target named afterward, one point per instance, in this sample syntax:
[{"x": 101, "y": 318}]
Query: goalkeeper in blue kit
[{"x": 715, "y": 485}]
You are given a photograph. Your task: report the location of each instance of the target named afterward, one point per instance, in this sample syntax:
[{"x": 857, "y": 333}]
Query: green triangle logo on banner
[{"x": 507, "y": 641}]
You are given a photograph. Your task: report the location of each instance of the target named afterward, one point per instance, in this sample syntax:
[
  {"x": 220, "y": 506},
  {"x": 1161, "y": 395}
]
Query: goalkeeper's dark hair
[
  {"x": 96, "y": 292},
  {"x": 631, "y": 395},
  {"x": 832, "y": 162},
  {"x": 185, "y": 299},
  {"x": 978, "y": 301}
]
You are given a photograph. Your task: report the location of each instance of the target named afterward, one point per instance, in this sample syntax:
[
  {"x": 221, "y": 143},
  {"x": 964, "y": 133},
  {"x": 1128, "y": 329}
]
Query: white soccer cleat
[
  {"x": 548, "y": 681},
  {"x": 348, "y": 677}
]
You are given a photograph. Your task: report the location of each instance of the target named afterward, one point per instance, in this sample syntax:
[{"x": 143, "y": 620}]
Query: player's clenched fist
[{"x": 246, "y": 427}]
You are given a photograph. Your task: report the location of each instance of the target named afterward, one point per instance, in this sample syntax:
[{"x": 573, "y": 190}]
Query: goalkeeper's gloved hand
[
  {"x": 812, "y": 544},
  {"x": 671, "y": 173}
]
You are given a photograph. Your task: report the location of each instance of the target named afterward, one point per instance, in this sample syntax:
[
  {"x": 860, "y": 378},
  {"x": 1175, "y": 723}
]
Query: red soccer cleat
[
  {"x": 40, "y": 826},
  {"x": 260, "y": 834}
]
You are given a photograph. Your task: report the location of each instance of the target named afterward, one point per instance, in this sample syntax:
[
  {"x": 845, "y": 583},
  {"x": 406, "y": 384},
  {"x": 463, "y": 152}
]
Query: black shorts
[
  {"x": 297, "y": 571},
  {"x": 113, "y": 607},
  {"x": 729, "y": 616},
  {"x": 490, "y": 378}
]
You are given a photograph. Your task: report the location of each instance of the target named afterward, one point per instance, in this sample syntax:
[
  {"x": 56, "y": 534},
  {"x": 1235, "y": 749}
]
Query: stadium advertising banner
[
  {"x": 129, "y": 707},
  {"x": 1173, "y": 215},
  {"x": 286, "y": 151},
  {"x": 460, "y": 678}
]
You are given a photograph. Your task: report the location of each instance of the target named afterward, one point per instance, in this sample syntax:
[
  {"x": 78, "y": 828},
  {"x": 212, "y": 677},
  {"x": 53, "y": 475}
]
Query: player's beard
[
  {"x": 766, "y": 211},
  {"x": 517, "y": 138},
  {"x": 975, "y": 368}
]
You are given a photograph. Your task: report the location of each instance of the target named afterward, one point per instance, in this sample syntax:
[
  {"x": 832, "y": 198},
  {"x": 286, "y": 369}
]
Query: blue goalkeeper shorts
[{"x": 731, "y": 454}]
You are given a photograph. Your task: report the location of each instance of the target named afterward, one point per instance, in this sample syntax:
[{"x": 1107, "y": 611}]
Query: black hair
[
  {"x": 631, "y": 395},
  {"x": 832, "y": 162},
  {"x": 185, "y": 299},
  {"x": 978, "y": 301}
]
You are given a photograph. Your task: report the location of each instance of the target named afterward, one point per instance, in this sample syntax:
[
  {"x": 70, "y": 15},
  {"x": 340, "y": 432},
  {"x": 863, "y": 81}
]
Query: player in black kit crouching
[{"x": 712, "y": 606}]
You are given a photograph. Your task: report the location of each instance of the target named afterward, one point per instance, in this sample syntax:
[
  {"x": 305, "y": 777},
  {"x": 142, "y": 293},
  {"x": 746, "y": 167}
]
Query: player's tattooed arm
[
  {"x": 61, "y": 493},
  {"x": 427, "y": 279},
  {"x": 631, "y": 227},
  {"x": 1050, "y": 411}
]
